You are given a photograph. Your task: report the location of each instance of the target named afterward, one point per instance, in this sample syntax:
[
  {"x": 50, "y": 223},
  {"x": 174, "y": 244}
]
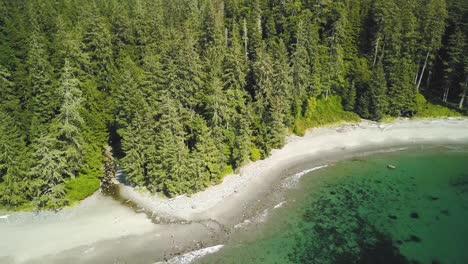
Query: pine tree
[
  {"x": 378, "y": 92},
  {"x": 46, "y": 185},
  {"x": 336, "y": 72},
  {"x": 401, "y": 92},
  {"x": 184, "y": 73},
  {"x": 432, "y": 31},
  {"x": 301, "y": 72},
  {"x": 271, "y": 107},
  {"x": 135, "y": 121},
  {"x": 138, "y": 145},
  {"x": 41, "y": 98},
  {"x": 454, "y": 66},
  {"x": 168, "y": 170},
  {"x": 68, "y": 123},
  {"x": 208, "y": 154},
  {"x": 235, "y": 67},
  {"x": 282, "y": 81},
  {"x": 98, "y": 44},
  {"x": 11, "y": 174},
  {"x": 9, "y": 100}
]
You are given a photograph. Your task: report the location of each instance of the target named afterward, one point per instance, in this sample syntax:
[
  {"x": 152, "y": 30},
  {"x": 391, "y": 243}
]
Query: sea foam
[
  {"x": 191, "y": 256},
  {"x": 292, "y": 181}
]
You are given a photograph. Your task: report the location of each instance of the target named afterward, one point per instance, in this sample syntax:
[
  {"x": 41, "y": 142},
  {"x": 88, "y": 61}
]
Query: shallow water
[{"x": 360, "y": 211}]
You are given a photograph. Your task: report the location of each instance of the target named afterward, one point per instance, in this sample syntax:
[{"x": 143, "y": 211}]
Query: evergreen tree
[
  {"x": 454, "y": 66},
  {"x": 68, "y": 126},
  {"x": 98, "y": 44},
  {"x": 46, "y": 184},
  {"x": 41, "y": 98},
  {"x": 184, "y": 73},
  {"x": 301, "y": 71},
  {"x": 11, "y": 174},
  {"x": 235, "y": 67},
  {"x": 432, "y": 32},
  {"x": 207, "y": 153},
  {"x": 9, "y": 100},
  {"x": 378, "y": 88},
  {"x": 401, "y": 92},
  {"x": 168, "y": 170},
  {"x": 282, "y": 81}
]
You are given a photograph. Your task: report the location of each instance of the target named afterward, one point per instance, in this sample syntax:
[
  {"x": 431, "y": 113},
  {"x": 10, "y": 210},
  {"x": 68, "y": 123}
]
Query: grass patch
[
  {"x": 26, "y": 207},
  {"x": 426, "y": 109},
  {"x": 321, "y": 112},
  {"x": 81, "y": 187}
]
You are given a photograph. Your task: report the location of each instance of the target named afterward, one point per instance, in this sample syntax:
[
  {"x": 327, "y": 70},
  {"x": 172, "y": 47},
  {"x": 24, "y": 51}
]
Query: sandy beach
[
  {"x": 220, "y": 202},
  {"x": 102, "y": 230}
]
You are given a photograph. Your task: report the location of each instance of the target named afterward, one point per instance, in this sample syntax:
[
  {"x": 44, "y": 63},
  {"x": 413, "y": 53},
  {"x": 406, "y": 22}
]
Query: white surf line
[
  {"x": 279, "y": 205},
  {"x": 291, "y": 182},
  {"x": 302, "y": 173},
  {"x": 191, "y": 256}
]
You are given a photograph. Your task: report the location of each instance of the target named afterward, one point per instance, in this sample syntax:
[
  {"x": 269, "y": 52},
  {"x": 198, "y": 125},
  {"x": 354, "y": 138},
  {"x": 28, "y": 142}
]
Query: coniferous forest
[{"x": 186, "y": 91}]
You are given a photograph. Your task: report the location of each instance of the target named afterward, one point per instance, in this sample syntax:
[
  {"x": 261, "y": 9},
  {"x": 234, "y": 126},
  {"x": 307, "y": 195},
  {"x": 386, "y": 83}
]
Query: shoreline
[
  {"x": 158, "y": 229},
  {"x": 222, "y": 202}
]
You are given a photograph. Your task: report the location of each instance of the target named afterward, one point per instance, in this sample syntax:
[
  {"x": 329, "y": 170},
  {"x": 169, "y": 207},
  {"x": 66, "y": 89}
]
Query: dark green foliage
[
  {"x": 378, "y": 92},
  {"x": 187, "y": 93},
  {"x": 12, "y": 146}
]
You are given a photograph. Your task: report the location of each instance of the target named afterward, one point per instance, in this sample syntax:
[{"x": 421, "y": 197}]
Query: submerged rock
[{"x": 414, "y": 215}]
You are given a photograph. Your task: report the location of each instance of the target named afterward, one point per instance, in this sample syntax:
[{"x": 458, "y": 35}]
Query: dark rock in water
[
  {"x": 435, "y": 261},
  {"x": 445, "y": 212},
  {"x": 392, "y": 167},
  {"x": 393, "y": 217},
  {"x": 414, "y": 238},
  {"x": 414, "y": 215},
  {"x": 434, "y": 198}
]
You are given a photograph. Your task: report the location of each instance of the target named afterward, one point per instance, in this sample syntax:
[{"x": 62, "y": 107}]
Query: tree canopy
[{"x": 186, "y": 91}]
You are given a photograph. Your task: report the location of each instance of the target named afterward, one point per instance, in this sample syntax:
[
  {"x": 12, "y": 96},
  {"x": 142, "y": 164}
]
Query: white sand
[
  {"x": 102, "y": 226},
  {"x": 222, "y": 202},
  {"x": 25, "y": 236}
]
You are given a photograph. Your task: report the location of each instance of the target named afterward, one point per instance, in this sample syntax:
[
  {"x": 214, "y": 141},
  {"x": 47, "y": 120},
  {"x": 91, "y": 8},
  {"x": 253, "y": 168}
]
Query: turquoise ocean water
[{"x": 360, "y": 211}]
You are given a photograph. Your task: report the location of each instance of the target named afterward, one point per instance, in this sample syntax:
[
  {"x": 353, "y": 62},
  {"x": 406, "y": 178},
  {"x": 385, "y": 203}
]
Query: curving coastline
[
  {"x": 224, "y": 202},
  {"x": 102, "y": 230}
]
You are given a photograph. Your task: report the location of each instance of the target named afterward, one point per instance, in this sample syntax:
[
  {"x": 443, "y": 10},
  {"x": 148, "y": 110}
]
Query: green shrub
[
  {"x": 228, "y": 169},
  {"x": 299, "y": 127},
  {"x": 426, "y": 109},
  {"x": 387, "y": 119},
  {"x": 81, "y": 187},
  {"x": 255, "y": 154},
  {"x": 323, "y": 112}
]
